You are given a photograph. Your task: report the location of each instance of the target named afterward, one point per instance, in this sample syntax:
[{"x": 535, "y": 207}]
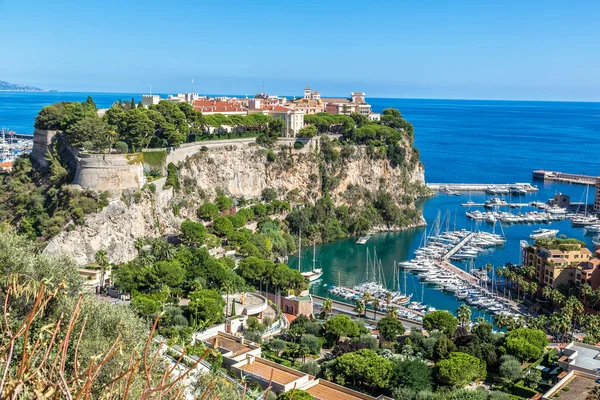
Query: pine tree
[{"x": 132, "y": 102}]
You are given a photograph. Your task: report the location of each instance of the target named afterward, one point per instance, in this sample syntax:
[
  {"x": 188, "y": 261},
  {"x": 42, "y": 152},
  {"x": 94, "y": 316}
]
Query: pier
[
  {"x": 458, "y": 246},
  {"x": 580, "y": 179},
  {"x": 479, "y": 187},
  {"x": 512, "y": 205}
]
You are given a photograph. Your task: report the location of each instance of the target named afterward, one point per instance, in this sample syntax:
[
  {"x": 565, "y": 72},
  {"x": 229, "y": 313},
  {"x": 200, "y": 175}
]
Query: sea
[{"x": 460, "y": 141}]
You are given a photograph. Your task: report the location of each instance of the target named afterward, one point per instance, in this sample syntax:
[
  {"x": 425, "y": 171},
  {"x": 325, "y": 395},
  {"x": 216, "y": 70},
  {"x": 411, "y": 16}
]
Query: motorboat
[{"x": 543, "y": 233}]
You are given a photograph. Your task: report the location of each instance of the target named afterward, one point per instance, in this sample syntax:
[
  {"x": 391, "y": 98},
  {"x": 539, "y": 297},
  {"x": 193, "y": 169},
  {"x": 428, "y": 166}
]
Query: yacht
[
  {"x": 543, "y": 233},
  {"x": 495, "y": 202},
  {"x": 592, "y": 228}
]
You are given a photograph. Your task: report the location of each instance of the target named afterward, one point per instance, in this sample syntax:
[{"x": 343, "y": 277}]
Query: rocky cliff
[{"x": 238, "y": 170}]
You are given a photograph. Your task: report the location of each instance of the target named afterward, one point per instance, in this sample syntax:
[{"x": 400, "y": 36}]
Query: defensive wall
[{"x": 116, "y": 172}]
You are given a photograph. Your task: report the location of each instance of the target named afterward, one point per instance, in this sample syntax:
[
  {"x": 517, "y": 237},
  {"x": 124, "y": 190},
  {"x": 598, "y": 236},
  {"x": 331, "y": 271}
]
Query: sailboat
[{"x": 315, "y": 273}]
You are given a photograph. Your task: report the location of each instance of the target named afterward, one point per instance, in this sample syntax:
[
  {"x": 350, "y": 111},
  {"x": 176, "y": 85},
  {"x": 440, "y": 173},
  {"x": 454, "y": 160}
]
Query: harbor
[{"x": 343, "y": 261}]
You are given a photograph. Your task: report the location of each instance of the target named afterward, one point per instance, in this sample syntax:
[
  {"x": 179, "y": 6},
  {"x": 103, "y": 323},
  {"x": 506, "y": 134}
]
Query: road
[{"x": 348, "y": 309}]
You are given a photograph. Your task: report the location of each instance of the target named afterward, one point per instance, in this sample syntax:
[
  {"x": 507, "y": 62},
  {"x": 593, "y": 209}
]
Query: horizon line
[{"x": 246, "y": 95}]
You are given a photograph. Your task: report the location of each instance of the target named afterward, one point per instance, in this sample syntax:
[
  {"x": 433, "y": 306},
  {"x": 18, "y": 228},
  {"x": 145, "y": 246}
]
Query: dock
[
  {"x": 581, "y": 179},
  {"x": 458, "y": 246},
  {"x": 363, "y": 239},
  {"x": 478, "y": 187},
  {"x": 512, "y": 205}
]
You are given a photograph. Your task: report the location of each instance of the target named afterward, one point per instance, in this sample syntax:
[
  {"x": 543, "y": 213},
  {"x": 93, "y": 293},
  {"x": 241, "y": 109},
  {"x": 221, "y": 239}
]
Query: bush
[
  {"x": 298, "y": 145},
  {"x": 311, "y": 368},
  {"x": 172, "y": 177},
  {"x": 312, "y": 342},
  {"x": 269, "y": 194},
  {"x": 192, "y": 232},
  {"x": 271, "y": 156},
  {"x": 121, "y": 147}
]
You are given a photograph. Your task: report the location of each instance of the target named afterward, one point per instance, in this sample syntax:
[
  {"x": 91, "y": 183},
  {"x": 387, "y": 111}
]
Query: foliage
[
  {"x": 510, "y": 369},
  {"x": 312, "y": 342},
  {"x": 363, "y": 367},
  {"x": 121, "y": 147},
  {"x": 271, "y": 274},
  {"x": 172, "y": 177},
  {"x": 308, "y": 131},
  {"x": 39, "y": 204},
  {"x": 440, "y": 320},
  {"x": 341, "y": 325},
  {"x": 208, "y": 306},
  {"x": 459, "y": 370},
  {"x": 222, "y": 226},
  {"x": 192, "y": 232},
  {"x": 525, "y": 343},
  {"x": 311, "y": 368},
  {"x": 390, "y": 328},
  {"x": 414, "y": 375},
  {"x": 207, "y": 211},
  {"x": 297, "y": 395}
]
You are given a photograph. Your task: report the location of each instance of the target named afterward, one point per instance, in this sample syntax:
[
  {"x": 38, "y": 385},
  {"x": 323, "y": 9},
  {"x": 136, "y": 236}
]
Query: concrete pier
[
  {"x": 580, "y": 179},
  {"x": 478, "y": 187}
]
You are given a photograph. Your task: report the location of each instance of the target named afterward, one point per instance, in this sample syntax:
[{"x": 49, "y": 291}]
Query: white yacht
[{"x": 543, "y": 233}]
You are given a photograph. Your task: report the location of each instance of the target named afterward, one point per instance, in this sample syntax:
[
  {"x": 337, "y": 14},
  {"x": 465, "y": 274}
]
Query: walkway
[{"x": 459, "y": 246}]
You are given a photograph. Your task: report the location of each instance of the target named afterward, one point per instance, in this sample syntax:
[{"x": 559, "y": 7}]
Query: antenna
[{"x": 150, "y": 90}]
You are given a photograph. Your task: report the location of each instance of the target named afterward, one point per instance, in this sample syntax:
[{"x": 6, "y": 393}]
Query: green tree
[
  {"x": 413, "y": 374},
  {"x": 295, "y": 394},
  {"x": 363, "y": 367},
  {"x": 224, "y": 203},
  {"x": 222, "y": 226},
  {"x": 206, "y": 305},
  {"x": 327, "y": 306},
  {"x": 269, "y": 194},
  {"x": 463, "y": 314},
  {"x": 525, "y": 343},
  {"x": 192, "y": 233},
  {"x": 278, "y": 346},
  {"x": 460, "y": 369},
  {"x": 441, "y": 321},
  {"x": 510, "y": 369},
  {"x": 308, "y": 131},
  {"x": 443, "y": 348},
  {"x": 312, "y": 342},
  {"x": 341, "y": 325},
  {"x": 207, "y": 211},
  {"x": 390, "y": 328}
]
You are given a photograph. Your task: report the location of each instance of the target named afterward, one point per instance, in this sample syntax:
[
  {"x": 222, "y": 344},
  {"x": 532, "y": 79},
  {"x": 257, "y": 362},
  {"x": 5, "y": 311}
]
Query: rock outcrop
[{"x": 238, "y": 170}]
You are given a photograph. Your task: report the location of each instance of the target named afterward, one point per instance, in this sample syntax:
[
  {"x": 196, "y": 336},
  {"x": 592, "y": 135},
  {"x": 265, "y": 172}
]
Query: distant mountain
[{"x": 13, "y": 87}]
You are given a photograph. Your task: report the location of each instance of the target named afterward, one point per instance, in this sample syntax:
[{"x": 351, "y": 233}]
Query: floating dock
[
  {"x": 479, "y": 187},
  {"x": 363, "y": 239},
  {"x": 580, "y": 179}
]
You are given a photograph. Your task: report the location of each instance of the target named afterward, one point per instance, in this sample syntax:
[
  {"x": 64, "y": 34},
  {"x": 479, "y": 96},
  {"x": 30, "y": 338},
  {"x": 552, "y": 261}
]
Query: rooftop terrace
[
  {"x": 228, "y": 345},
  {"x": 263, "y": 370}
]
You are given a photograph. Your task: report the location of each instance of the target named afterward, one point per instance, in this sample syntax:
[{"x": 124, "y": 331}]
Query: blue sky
[{"x": 547, "y": 50}]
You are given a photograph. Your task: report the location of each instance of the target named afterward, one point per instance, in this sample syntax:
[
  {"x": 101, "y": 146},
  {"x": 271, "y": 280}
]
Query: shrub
[
  {"x": 207, "y": 211},
  {"x": 271, "y": 156},
  {"x": 298, "y": 145},
  {"x": 121, "y": 147}
]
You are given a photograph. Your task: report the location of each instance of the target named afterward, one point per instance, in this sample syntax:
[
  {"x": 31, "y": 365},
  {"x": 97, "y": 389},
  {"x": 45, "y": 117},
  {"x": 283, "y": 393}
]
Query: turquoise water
[{"x": 459, "y": 141}]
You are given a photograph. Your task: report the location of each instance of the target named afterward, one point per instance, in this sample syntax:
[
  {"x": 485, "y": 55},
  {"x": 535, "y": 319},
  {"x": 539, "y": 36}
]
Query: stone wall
[
  {"x": 111, "y": 172},
  {"x": 42, "y": 139}
]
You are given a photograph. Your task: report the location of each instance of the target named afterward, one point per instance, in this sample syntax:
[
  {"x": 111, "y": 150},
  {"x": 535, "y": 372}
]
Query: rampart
[
  {"x": 116, "y": 172},
  {"x": 108, "y": 172}
]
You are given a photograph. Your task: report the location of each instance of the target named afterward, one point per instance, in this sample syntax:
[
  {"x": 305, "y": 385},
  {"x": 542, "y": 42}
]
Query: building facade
[
  {"x": 558, "y": 264},
  {"x": 597, "y": 197}
]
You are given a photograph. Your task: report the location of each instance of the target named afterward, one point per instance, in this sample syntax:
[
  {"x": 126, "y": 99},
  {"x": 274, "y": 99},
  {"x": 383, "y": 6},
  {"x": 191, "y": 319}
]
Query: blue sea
[{"x": 460, "y": 141}]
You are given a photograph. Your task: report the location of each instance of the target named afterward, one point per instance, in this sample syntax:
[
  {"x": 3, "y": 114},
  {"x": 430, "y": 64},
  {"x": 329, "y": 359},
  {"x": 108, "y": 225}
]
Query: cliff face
[{"x": 238, "y": 170}]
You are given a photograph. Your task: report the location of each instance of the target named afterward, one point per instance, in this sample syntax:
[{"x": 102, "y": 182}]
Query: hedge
[{"x": 155, "y": 159}]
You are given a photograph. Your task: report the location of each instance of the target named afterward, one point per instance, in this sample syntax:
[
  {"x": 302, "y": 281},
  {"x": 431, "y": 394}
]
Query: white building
[{"x": 150, "y": 99}]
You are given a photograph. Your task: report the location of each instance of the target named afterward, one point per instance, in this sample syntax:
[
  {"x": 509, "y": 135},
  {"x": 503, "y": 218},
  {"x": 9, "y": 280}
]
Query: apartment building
[{"x": 559, "y": 262}]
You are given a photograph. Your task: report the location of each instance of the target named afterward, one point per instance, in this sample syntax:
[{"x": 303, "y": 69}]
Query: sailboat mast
[
  {"x": 314, "y": 255},
  {"x": 300, "y": 249}
]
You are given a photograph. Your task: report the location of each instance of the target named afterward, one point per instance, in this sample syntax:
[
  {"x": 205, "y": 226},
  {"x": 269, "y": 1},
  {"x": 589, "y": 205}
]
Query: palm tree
[
  {"x": 102, "y": 260},
  {"x": 227, "y": 287},
  {"x": 559, "y": 323},
  {"x": 463, "y": 314},
  {"x": 375, "y": 307},
  {"x": 501, "y": 321},
  {"x": 327, "y": 306},
  {"x": 547, "y": 292},
  {"x": 586, "y": 291},
  {"x": 538, "y": 323},
  {"x": 388, "y": 298},
  {"x": 392, "y": 312},
  {"x": 489, "y": 267},
  {"x": 139, "y": 244},
  {"x": 145, "y": 259},
  {"x": 360, "y": 307}
]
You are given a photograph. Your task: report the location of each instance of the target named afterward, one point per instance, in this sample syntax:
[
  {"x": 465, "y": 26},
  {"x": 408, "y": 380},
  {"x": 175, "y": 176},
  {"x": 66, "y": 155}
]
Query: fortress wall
[
  {"x": 111, "y": 172},
  {"x": 42, "y": 139}
]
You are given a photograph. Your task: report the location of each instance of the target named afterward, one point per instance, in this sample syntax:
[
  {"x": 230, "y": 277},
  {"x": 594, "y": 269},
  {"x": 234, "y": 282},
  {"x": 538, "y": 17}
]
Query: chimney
[
  {"x": 216, "y": 342},
  {"x": 250, "y": 358}
]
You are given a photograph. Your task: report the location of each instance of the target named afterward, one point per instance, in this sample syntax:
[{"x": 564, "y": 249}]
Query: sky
[{"x": 474, "y": 49}]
